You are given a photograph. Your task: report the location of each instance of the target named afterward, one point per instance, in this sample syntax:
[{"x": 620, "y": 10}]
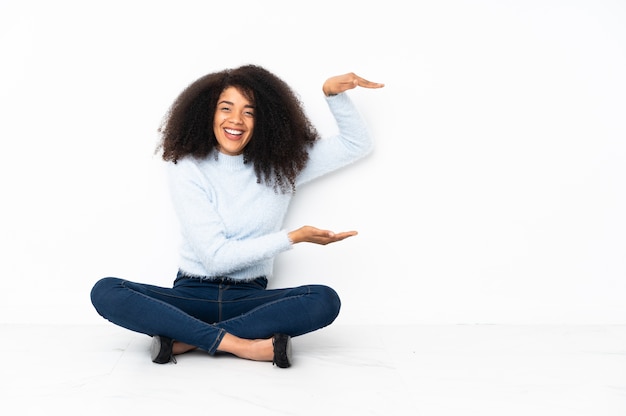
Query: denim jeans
[{"x": 201, "y": 311}]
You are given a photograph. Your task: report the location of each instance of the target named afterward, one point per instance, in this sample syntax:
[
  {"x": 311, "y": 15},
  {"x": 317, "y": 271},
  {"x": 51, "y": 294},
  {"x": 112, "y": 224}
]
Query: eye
[{"x": 249, "y": 113}]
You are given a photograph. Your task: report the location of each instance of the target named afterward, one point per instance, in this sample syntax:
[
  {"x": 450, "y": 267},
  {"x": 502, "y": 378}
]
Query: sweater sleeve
[{"x": 351, "y": 143}]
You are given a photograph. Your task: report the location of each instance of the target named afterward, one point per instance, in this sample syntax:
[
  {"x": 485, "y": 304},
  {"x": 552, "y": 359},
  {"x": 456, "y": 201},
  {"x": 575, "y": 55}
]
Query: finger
[
  {"x": 362, "y": 82},
  {"x": 344, "y": 235}
]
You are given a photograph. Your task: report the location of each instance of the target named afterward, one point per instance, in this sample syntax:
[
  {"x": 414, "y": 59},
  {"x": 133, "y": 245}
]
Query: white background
[{"x": 496, "y": 192}]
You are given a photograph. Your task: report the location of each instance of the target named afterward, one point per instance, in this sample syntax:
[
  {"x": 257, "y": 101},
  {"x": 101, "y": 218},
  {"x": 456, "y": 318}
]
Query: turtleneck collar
[{"x": 232, "y": 163}]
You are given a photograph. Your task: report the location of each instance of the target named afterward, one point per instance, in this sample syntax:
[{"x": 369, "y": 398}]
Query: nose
[{"x": 235, "y": 118}]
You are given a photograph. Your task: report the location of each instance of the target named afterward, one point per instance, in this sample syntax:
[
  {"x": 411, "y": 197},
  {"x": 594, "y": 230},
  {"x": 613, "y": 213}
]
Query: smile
[{"x": 234, "y": 132}]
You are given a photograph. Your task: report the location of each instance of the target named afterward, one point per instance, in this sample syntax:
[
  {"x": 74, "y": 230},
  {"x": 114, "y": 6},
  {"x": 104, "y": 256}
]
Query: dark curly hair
[{"x": 282, "y": 132}]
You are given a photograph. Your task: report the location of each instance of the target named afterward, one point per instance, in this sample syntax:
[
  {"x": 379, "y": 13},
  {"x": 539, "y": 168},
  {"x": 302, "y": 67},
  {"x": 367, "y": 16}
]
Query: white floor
[{"x": 358, "y": 370}]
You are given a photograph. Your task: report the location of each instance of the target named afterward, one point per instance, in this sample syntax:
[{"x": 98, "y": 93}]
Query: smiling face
[{"x": 233, "y": 122}]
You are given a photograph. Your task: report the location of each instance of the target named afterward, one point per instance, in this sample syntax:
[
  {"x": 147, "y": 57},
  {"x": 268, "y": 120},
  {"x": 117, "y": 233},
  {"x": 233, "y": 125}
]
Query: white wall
[{"x": 495, "y": 194}]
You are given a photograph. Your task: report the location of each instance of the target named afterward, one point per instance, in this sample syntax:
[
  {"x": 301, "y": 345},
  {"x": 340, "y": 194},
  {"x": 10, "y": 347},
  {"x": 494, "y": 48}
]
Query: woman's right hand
[{"x": 309, "y": 234}]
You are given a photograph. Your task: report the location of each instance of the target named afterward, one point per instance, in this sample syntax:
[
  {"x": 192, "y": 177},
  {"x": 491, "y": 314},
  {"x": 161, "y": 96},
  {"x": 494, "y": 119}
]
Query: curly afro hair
[{"x": 282, "y": 132}]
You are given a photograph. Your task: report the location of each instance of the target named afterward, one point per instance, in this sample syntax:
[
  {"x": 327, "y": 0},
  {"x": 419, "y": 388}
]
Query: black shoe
[
  {"x": 282, "y": 350},
  {"x": 161, "y": 350}
]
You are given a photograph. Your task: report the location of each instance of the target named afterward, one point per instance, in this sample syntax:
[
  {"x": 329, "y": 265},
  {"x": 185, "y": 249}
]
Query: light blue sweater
[{"x": 231, "y": 225}]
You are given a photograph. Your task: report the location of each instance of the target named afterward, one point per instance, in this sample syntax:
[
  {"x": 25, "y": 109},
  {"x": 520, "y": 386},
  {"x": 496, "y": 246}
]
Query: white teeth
[{"x": 229, "y": 131}]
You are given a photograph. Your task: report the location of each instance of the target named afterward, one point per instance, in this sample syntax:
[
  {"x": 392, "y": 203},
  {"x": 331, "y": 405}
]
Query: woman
[{"x": 238, "y": 144}]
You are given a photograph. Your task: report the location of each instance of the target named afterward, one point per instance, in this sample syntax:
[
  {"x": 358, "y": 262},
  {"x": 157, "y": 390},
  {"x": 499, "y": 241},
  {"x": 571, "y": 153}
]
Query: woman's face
[{"x": 233, "y": 122}]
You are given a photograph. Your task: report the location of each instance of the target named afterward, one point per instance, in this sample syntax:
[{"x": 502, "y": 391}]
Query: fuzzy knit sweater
[{"x": 232, "y": 226}]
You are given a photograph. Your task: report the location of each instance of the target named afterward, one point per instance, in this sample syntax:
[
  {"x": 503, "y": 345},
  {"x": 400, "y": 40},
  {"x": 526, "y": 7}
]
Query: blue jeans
[{"x": 201, "y": 311}]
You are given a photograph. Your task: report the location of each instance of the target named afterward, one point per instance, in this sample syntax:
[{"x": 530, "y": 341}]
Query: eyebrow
[{"x": 231, "y": 103}]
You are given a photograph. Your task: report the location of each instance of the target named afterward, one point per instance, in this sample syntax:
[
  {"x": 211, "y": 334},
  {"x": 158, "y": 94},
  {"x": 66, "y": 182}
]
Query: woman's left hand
[{"x": 340, "y": 83}]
